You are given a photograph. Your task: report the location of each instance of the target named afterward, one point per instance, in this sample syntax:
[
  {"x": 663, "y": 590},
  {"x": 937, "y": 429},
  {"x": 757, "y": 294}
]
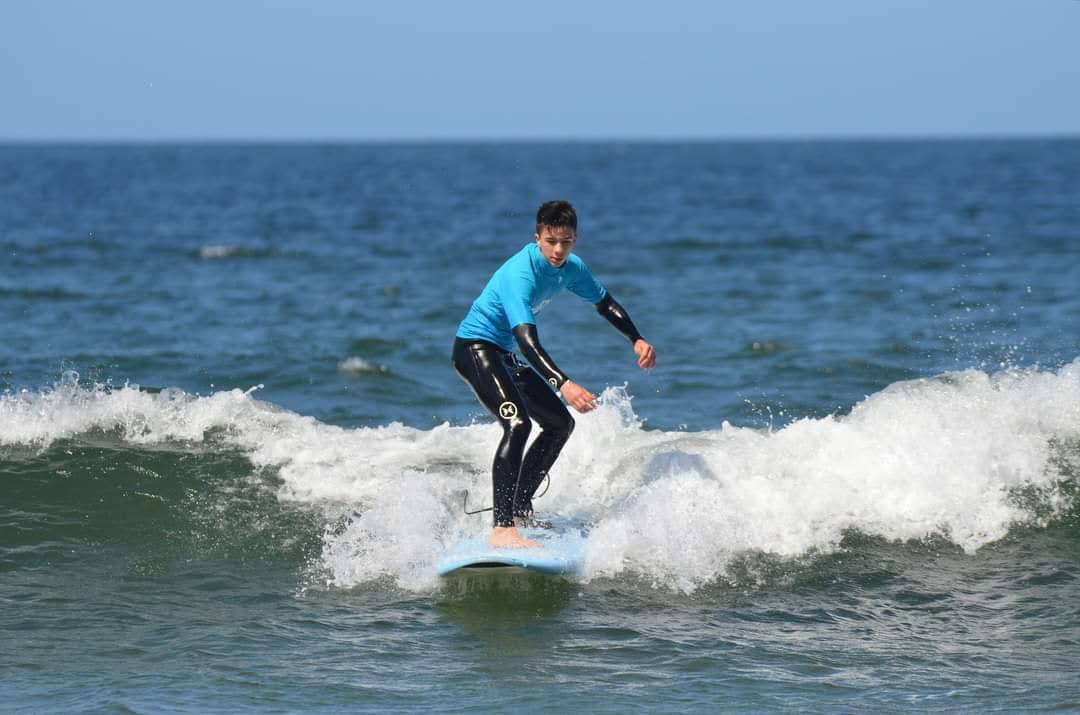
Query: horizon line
[{"x": 567, "y": 139}]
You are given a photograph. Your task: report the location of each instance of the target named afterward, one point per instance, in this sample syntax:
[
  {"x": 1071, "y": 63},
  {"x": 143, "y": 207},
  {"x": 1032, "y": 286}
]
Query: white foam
[{"x": 920, "y": 458}]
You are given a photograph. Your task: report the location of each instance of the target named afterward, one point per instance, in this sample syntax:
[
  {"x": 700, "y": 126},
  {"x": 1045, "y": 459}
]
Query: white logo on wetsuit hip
[
  {"x": 554, "y": 382},
  {"x": 508, "y": 410}
]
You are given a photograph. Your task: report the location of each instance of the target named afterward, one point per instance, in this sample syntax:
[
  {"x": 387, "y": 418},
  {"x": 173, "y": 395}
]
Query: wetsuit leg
[
  {"x": 557, "y": 424},
  {"x": 482, "y": 365}
]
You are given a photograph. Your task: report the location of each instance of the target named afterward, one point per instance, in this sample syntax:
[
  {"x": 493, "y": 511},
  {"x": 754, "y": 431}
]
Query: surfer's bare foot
[{"x": 508, "y": 537}]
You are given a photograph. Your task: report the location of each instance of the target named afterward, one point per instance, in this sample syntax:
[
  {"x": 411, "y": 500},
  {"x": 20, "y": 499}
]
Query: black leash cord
[
  {"x": 465, "y": 499},
  {"x": 465, "y": 505}
]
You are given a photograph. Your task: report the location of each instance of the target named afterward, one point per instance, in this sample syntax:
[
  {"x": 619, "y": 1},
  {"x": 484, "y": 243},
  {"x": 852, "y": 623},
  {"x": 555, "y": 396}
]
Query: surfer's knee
[
  {"x": 521, "y": 427},
  {"x": 557, "y": 423},
  {"x": 562, "y": 429},
  {"x": 515, "y": 421}
]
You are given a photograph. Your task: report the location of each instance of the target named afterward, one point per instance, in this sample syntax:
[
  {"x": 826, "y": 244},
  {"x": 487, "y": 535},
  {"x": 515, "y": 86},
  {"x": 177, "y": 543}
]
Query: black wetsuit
[{"x": 514, "y": 392}]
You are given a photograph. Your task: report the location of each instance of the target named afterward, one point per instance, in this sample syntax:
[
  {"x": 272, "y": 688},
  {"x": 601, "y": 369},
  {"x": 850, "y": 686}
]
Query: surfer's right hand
[{"x": 578, "y": 397}]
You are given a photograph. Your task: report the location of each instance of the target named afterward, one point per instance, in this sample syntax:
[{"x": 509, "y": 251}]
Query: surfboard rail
[{"x": 561, "y": 554}]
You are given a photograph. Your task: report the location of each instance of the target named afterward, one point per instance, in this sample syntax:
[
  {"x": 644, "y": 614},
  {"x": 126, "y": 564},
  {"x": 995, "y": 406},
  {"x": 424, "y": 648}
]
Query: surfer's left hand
[{"x": 645, "y": 353}]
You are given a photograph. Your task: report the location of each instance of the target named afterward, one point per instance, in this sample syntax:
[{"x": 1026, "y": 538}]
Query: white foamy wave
[
  {"x": 38, "y": 419},
  {"x": 920, "y": 458}
]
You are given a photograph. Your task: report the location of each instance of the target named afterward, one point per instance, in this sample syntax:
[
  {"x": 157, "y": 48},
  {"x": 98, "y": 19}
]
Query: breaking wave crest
[{"x": 957, "y": 457}]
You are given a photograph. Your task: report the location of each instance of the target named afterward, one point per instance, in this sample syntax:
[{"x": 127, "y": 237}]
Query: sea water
[{"x": 232, "y": 447}]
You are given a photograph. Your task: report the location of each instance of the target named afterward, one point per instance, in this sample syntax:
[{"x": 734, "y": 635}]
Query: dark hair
[{"x": 556, "y": 214}]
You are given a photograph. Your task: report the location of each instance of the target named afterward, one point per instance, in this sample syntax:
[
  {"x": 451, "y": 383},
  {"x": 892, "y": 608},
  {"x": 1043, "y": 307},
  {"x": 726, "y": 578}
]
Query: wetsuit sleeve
[
  {"x": 617, "y": 316},
  {"x": 529, "y": 344}
]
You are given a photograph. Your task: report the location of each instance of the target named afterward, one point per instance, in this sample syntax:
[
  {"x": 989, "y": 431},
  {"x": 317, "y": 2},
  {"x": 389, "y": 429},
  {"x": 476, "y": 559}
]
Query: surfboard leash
[
  {"x": 465, "y": 498},
  {"x": 465, "y": 505}
]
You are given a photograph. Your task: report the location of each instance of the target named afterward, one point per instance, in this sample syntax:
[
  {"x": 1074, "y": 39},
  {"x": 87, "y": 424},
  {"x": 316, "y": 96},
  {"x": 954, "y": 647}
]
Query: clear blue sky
[{"x": 401, "y": 69}]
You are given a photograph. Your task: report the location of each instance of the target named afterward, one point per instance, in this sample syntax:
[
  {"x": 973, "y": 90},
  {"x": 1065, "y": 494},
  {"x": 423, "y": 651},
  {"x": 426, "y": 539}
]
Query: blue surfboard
[{"x": 562, "y": 554}]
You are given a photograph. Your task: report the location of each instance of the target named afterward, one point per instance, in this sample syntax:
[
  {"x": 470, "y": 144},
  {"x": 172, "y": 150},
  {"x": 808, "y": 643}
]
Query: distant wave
[
  {"x": 359, "y": 366},
  {"x": 226, "y": 250},
  {"x": 219, "y": 251},
  {"x": 964, "y": 457},
  {"x": 54, "y": 293}
]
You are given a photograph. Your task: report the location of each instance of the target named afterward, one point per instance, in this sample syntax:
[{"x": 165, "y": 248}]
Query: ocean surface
[{"x": 232, "y": 446}]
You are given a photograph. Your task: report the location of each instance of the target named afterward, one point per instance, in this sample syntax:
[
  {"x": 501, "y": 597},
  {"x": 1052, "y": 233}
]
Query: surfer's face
[{"x": 556, "y": 243}]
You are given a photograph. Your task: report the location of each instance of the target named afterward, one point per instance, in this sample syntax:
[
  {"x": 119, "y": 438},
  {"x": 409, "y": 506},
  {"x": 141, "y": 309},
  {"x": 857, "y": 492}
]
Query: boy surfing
[{"x": 502, "y": 317}]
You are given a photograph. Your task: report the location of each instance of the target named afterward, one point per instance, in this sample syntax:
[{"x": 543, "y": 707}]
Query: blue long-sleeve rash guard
[{"x": 519, "y": 289}]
